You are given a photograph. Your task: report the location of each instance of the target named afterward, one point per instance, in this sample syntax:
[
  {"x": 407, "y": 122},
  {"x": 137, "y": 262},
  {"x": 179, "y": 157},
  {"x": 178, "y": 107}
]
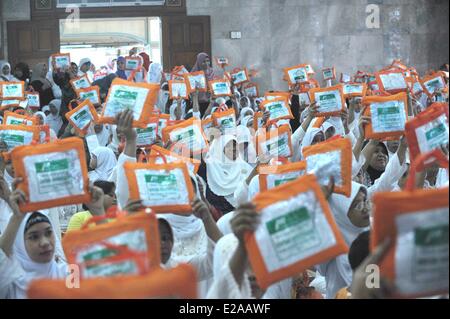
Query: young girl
[{"x": 27, "y": 251}]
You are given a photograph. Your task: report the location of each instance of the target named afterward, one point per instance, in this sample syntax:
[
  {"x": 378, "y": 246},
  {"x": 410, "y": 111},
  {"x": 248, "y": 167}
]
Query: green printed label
[
  {"x": 287, "y": 221},
  {"x": 436, "y": 131},
  {"x": 161, "y": 179},
  {"x": 275, "y": 145},
  {"x": 186, "y": 137},
  {"x": 12, "y": 140},
  {"x": 16, "y": 122},
  {"x": 293, "y": 233},
  {"x": 388, "y": 111},
  {"x": 327, "y": 97},
  {"x": 51, "y": 174},
  {"x": 161, "y": 188},
  {"x": 433, "y": 236},
  {"x": 125, "y": 99},
  {"x": 284, "y": 181},
  {"x": 82, "y": 116}
]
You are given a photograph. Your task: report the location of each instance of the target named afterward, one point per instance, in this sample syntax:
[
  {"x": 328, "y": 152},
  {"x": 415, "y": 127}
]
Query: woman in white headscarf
[
  {"x": 177, "y": 114},
  {"x": 312, "y": 136},
  {"x": 54, "y": 120},
  {"x": 247, "y": 121},
  {"x": 42, "y": 118},
  {"x": 246, "y": 111},
  {"x": 154, "y": 74},
  {"x": 27, "y": 252},
  {"x": 103, "y": 162},
  {"x": 41, "y": 84},
  {"x": 246, "y": 146},
  {"x": 225, "y": 169},
  {"x": 352, "y": 215},
  {"x": 103, "y": 133},
  {"x": 5, "y": 72}
]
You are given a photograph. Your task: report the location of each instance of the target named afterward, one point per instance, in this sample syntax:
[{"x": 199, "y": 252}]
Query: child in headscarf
[
  {"x": 225, "y": 171},
  {"x": 27, "y": 251},
  {"x": 121, "y": 68},
  {"x": 103, "y": 162},
  {"x": 54, "y": 119},
  {"x": 352, "y": 215},
  {"x": 5, "y": 72}
]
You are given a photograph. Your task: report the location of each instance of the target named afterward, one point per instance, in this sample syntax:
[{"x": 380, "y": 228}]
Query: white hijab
[
  {"x": 243, "y": 113},
  {"x": 154, "y": 74},
  {"x": 173, "y": 107},
  {"x": 311, "y": 132},
  {"x": 8, "y": 77},
  {"x": 55, "y": 121},
  {"x": 32, "y": 270},
  {"x": 103, "y": 136},
  {"x": 246, "y": 119},
  {"x": 338, "y": 272},
  {"x": 190, "y": 238},
  {"x": 106, "y": 162},
  {"x": 225, "y": 175},
  {"x": 243, "y": 135}
]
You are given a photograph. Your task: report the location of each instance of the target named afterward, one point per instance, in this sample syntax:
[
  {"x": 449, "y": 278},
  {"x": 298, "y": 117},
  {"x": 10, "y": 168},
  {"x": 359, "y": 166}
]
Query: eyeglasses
[{"x": 361, "y": 205}]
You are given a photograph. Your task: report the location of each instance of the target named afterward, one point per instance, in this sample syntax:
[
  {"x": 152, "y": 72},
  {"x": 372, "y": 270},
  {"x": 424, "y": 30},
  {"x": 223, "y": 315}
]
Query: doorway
[{"x": 104, "y": 39}]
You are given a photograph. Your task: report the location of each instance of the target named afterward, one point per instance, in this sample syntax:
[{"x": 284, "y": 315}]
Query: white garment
[
  {"x": 31, "y": 270},
  {"x": 9, "y": 77},
  {"x": 104, "y": 135},
  {"x": 106, "y": 162},
  {"x": 296, "y": 140},
  {"x": 173, "y": 107},
  {"x": 225, "y": 286},
  {"x": 311, "y": 132},
  {"x": 224, "y": 223},
  {"x": 119, "y": 178},
  {"x": 193, "y": 246},
  {"x": 390, "y": 177},
  {"x": 154, "y": 74},
  {"x": 243, "y": 135},
  {"x": 224, "y": 174},
  {"x": 442, "y": 178},
  {"x": 338, "y": 272},
  {"x": 55, "y": 122},
  {"x": 246, "y": 111}
]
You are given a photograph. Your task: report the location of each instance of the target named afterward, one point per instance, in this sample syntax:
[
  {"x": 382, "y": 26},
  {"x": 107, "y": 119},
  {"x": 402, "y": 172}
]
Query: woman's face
[
  {"x": 250, "y": 123},
  {"x": 85, "y": 67},
  {"x": 18, "y": 73},
  {"x": 110, "y": 199},
  {"x": 330, "y": 132},
  {"x": 98, "y": 128},
  {"x": 359, "y": 212},
  {"x": 121, "y": 65},
  {"x": 230, "y": 150},
  {"x": 166, "y": 242},
  {"x": 379, "y": 159},
  {"x": 44, "y": 70},
  {"x": 6, "y": 70},
  {"x": 206, "y": 63},
  {"x": 40, "y": 119},
  {"x": 40, "y": 243},
  {"x": 318, "y": 138},
  {"x": 74, "y": 68},
  {"x": 93, "y": 162},
  {"x": 393, "y": 146},
  {"x": 53, "y": 109}
]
